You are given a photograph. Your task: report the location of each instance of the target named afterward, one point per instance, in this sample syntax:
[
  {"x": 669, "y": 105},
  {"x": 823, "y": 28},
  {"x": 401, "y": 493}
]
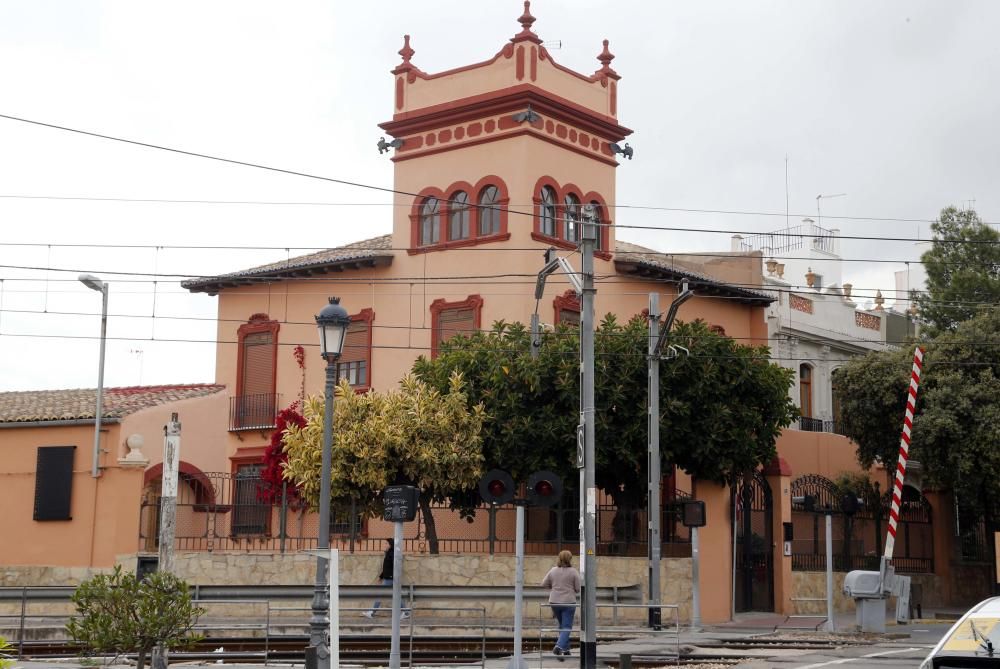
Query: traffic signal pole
[
  {"x": 653, "y": 462},
  {"x": 588, "y": 511}
]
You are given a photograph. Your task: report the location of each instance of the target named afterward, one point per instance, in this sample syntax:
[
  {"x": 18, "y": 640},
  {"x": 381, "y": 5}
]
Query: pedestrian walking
[
  {"x": 385, "y": 577},
  {"x": 563, "y": 582}
]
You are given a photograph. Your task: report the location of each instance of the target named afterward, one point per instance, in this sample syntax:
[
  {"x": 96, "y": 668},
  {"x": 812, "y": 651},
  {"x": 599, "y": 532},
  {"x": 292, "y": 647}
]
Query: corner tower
[{"x": 503, "y": 152}]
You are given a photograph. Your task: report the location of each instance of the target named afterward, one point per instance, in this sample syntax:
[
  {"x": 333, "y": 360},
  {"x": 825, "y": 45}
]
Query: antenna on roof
[{"x": 553, "y": 44}]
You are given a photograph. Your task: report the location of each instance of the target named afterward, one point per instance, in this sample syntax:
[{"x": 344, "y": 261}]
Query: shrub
[{"x": 118, "y": 613}]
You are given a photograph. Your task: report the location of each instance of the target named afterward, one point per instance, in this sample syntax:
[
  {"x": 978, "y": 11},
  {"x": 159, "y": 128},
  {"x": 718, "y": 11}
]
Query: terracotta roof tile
[
  {"x": 355, "y": 252},
  {"x": 78, "y": 404}
]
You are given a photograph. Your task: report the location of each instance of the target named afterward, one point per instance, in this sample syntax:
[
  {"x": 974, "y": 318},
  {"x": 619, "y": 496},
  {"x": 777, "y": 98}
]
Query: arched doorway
[{"x": 752, "y": 509}]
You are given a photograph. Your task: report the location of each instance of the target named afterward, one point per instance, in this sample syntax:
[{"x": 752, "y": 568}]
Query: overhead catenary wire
[{"x": 394, "y": 191}]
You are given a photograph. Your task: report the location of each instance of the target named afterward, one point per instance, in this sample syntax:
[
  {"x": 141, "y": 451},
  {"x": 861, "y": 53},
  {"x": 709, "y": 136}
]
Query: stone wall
[
  {"x": 812, "y": 584},
  {"x": 200, "y": 568}
]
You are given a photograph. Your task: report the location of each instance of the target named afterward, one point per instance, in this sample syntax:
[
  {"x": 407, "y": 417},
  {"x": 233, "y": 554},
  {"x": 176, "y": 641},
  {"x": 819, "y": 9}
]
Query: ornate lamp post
[{"x": 332, "y": 322}]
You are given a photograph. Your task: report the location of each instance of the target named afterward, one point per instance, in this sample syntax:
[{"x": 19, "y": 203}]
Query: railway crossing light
[
  {"x": 544, "y": 488},
  {"x": 497, "y": 487}
]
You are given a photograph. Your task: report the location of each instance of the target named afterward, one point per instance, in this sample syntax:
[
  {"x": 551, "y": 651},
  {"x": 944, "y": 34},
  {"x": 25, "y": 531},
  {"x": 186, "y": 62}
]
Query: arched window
[
  {"x": 489, "y": 211},
  {"x": 598, "y": 219},
  {"x": 430, "y": 230},
  {"x": 805, "y": 391},
  {"x": 458, "y": 215},
  {"x": 571, "y": 213},
  {"x": 547, "y": 211}
]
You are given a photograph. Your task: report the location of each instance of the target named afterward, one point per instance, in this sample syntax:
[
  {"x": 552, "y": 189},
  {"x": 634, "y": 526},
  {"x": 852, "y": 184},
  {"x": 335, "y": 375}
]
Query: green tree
[
  {"x": 957, "y": 422},
  {"x": 5, "y": 648},
  {"x": 417, "y": 435},
  {"x": 117, "y": 613},
  {"x": 963, "y": 270},
  {"x": 722, "y": 407}
]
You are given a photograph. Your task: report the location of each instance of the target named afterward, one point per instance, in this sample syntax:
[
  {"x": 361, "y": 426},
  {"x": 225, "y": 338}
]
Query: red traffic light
[
  {"x": 544, "y": 488},
  {"x": 497, "y": 487}
]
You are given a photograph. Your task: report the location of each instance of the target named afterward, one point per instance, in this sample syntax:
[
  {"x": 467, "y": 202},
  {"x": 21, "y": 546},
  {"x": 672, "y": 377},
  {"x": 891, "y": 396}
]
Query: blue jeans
[
  {"x": 563, "y": 613},
  {"x": 378, "y": 603}
]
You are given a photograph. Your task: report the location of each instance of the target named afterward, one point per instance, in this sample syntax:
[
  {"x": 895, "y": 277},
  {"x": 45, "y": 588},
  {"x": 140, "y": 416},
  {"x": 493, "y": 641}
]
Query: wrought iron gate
[{"x": 752, "y": 508}]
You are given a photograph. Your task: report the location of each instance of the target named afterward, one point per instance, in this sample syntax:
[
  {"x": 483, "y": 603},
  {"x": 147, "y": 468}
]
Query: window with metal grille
[
  {"x": 547, "y": 211},
  {"x": 54, "y": 482},
  {"x": 355, "y": 358},
  {"x": 250, "y": 514}
]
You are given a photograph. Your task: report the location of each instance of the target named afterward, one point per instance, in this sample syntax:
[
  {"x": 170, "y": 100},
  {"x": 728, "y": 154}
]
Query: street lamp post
[
  {"x": 92, "y": 282},
  {"x": 332, "y": 322}
]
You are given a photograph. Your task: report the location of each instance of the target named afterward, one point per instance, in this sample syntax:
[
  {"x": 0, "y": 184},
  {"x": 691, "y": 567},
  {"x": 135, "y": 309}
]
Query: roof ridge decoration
[
  {"x": 526, "y": 19},
  {"x": 407, "y": 53},
  {"x": 605, "y": 58}
]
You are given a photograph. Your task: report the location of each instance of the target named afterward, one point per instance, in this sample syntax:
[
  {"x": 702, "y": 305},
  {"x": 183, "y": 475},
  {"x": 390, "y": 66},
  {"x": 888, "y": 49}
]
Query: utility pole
[
  {"x": 657, "y": 336},
  {"x": 588, "y": 511},
  {"x": 168, "y": 511}
]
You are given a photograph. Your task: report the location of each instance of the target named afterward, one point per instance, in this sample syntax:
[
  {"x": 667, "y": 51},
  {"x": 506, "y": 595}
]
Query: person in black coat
[{"x": 385, "y": 578}]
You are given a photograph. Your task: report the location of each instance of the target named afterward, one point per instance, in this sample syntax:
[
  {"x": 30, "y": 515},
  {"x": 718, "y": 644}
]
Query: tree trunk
[
  {"x": 430, "y": 529},
  {"x": 140, "y": 660}
]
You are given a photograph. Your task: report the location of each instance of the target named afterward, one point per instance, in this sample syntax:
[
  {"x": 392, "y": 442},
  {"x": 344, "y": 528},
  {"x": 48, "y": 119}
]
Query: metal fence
[
  {"x": 858, "y": 539},
  {"x": 226, "y": 512}
]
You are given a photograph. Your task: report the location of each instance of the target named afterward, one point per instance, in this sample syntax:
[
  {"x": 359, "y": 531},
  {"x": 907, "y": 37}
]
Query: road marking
[{"x": 854, "y": 659}]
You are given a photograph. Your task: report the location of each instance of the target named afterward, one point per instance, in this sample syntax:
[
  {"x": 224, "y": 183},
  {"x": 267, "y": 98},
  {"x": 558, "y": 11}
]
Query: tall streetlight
[
  {"x": 92, "y": 282},
  {"x": 332, "y": 322}
]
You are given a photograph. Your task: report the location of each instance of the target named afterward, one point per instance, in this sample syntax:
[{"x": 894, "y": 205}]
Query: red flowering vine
[{"x": 274, "y": 458}]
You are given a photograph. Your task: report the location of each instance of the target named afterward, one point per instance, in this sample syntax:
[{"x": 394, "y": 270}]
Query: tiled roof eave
[
  {"x": 700, "y": 283},
  {"x": 59, "y": 422},
  {"x": 212, "y": 285}
]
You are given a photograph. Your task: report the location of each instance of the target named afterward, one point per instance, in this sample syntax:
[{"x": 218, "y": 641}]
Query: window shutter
[
  {"x": 54, "y": 482},
  {"x": 454, "y": 322},
  {"x": 258, "y": 364},
  {"x": 569, "y": 317},
  {"x": 355, "y": 342}
]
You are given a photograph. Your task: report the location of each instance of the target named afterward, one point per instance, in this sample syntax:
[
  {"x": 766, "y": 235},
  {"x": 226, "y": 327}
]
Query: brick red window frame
[
  {"x": 568, "y": 301},
  {"x": 444, "y": 215},
  {"x": 439, "y": 306},
  {"x": 347, "y": 358},
  {"x": 258, "y": 324},
  {"x": 562, "y": 193}
]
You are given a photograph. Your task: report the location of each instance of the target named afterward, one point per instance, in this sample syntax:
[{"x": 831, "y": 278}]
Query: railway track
[{"x": 369, "y": 650}]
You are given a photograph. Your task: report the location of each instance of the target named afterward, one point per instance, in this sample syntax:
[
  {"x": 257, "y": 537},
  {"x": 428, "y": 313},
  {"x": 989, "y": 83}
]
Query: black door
[{"x": 754, "y": 561}]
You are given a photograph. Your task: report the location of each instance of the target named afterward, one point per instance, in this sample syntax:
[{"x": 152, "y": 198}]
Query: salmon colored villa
[{"x": 493, "y": 163}]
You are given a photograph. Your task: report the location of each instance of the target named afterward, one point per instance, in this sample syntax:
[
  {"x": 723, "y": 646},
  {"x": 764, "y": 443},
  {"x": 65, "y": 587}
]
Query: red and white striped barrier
[{"x": 904, "y": 451}]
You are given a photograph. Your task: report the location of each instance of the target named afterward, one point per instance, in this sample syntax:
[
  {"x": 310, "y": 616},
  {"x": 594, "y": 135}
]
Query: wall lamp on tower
[
  {"x": 626, "y": 151},
  {"x": 384, "y": 146},
  {"x": 528, "y": 115}
]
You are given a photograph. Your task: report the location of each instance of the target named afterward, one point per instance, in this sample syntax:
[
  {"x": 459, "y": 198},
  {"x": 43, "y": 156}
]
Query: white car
[{"x": 974, "y": 641}]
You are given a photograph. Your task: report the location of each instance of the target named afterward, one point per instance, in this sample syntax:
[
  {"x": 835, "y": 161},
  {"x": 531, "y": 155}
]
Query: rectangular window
[
  {"x": 569, "y": 317},
  {"x": 250, "y": 514},
  {"x": 54, "y": 482},
  {"x": 255, "y": 404},
  {"x": 354, "y": 359},
  {"x": 453, "y": 322}
]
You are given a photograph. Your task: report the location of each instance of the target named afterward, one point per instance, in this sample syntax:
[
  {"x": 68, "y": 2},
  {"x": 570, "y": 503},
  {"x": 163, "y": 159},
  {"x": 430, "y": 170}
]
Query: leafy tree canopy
[
  {"x": 722, "y": 407},
  {"x": 963, "y": 270},
  {"x": 956, "y": 426},
  {"x": 417, "y": 435}
]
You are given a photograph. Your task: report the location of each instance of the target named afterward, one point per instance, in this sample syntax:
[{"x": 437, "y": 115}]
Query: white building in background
[{"x": 815, "y": 324}]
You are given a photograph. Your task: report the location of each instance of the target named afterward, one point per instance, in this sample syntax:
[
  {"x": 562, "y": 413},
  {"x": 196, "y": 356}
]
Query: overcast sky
[{"x": 893, "y": 103}]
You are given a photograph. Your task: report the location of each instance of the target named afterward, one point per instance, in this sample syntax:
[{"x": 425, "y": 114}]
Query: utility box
[{"x": 869, "y": 600}]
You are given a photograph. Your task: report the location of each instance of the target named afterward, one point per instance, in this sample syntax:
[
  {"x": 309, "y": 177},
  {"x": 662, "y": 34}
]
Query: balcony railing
[
  {"x": 253, "y": 412},
  {"x": 807, "y": 424}
]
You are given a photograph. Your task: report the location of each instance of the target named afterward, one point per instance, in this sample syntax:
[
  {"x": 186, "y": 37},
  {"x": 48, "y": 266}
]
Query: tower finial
[
  {"x": 605, "y": 57},
  {"x": 406, "y": 52},
  {"x": 526, "y": 19}
]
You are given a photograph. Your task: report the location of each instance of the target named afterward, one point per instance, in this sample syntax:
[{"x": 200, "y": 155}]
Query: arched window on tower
[
  {"x": 489, "y": 211},
  {"x": 430, "y": 228},
  {"x": 571, "y": 215},
  {"x": 458, "y": 215},
  {"x": 547, "y": 211}
]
